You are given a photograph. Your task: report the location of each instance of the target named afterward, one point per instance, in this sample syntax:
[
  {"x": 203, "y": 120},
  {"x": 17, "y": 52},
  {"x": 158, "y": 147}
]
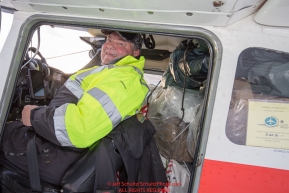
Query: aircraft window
[
  {"x": 62, "y": 48},
  {"x": 259, "y": 108},
  {"x": 6, "y": 23}
]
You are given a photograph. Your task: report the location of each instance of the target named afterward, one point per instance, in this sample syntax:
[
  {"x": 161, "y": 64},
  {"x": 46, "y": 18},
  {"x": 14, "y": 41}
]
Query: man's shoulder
[{"x": 132, "y": 61}]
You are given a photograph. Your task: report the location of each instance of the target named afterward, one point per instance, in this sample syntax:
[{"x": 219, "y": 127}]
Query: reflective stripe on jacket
[{"x": 106, "y": 96}]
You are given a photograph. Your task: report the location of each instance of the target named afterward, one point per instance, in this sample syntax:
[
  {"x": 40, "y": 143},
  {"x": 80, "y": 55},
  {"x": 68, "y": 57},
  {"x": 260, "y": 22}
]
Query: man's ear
[{"x": 136, "y": 53}]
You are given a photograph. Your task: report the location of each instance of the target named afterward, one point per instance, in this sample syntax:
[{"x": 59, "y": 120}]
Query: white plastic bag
[
  {"x": 168, "y": 103},
  {"x": 178, "y": 177}
]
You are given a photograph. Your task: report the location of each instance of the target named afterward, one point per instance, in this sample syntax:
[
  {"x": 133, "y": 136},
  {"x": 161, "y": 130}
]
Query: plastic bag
[
  {"x": 177, "y": 175},
  {"x": 171, "y": 139},
  {"x": 194, "y": 132},
  {"x": 172, "y": 133},
  {"x": 168, "y": 102},
  {"x": 237, "y": 119}
]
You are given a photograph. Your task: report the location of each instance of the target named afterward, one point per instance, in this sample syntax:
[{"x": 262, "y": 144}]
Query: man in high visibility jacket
[{"x": 88, "y": 106}]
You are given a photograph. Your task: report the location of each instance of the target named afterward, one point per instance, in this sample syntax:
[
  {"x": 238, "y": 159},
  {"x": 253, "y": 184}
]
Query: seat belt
[{"x": 32, "y": 164}]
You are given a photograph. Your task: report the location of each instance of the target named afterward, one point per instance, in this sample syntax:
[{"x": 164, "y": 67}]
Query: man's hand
[{"x": 26, "y": 114}]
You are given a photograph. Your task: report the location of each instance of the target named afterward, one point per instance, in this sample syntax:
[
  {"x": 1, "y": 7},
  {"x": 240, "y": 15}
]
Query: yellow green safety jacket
[{"x": 91, "y": 103}]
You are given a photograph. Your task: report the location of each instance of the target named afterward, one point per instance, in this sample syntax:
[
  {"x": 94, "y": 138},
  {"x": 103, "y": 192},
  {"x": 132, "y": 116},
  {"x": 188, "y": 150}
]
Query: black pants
[{"x": 53, "y": 160}]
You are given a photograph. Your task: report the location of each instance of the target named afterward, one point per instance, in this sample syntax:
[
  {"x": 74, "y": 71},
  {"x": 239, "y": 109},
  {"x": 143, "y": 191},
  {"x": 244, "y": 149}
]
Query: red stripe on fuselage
[{"x": 226, "y": 177}]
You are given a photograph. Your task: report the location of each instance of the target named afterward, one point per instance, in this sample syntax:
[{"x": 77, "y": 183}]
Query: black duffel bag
[{"x": 196, "y": 56}]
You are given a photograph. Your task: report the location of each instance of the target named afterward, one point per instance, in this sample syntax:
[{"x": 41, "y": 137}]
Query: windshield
[{"x": 62, "y": 48}]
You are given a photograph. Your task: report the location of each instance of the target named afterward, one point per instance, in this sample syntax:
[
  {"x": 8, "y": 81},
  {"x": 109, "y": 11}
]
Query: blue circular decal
[{"x": 271, "y": 121}]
